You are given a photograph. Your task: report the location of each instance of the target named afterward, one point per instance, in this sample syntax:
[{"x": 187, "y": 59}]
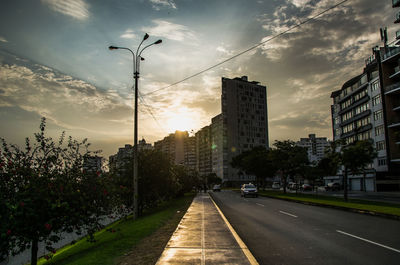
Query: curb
[{"x": 371, "y": 213}]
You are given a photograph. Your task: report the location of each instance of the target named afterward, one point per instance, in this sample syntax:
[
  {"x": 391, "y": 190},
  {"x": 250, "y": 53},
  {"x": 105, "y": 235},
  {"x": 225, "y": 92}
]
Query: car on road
[
  {"x": 248, "y": 190},
  {"x": 332, "y": 186},
  {"x": 306, "y": 187},
  {"x": 217, "y": 188},
  {"x": 276, "y": 185}
]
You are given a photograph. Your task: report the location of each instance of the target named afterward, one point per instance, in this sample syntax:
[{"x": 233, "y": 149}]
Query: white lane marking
[
  {"x": 240, "y": 242},
  {"x": 259, "y": 204},
  {"x": 292, "y": 215},
  {"x": 369, "y": 241}
]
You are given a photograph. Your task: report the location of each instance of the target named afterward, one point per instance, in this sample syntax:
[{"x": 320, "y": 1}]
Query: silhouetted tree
[
  {"x": 44, "y": 191},
  {"x": 288, "y": 158}
]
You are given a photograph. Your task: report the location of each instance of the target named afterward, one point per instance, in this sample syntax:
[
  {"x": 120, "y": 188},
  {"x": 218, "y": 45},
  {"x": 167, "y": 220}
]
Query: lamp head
[
  {"x": 146, "y": 36},
  {"x": 158, "y": 42},
  {"x": 112, "y": 48}
]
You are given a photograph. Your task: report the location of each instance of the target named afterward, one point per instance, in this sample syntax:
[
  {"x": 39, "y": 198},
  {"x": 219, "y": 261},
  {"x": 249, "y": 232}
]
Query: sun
[{"x": 182, "y": 120}]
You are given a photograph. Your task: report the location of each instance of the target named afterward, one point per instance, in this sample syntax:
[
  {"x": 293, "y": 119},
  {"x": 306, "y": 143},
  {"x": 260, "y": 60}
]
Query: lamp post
[{"x": 136, "y": 66}]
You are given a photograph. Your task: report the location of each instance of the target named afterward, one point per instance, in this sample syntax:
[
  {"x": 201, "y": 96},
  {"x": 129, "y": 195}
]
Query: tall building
[
  {"x": 217, "y": 142},
  {"x": 244, "y": 122},
  {"x": 180, "y": 147},
  {"x": 204, "y": 151},
  {"x": 93, "y": 164},
  {"x": 315, "y": 147}
]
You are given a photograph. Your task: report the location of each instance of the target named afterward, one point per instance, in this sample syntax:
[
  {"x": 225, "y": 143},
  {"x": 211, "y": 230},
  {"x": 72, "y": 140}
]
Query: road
[{"x": 281, "y": 232}]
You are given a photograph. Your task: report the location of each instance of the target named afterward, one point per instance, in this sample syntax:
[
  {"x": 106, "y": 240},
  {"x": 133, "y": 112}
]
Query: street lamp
[{"x": 136, "y": 65}]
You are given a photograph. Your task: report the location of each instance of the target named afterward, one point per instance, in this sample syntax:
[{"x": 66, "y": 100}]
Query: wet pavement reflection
[{"x": 202, "y": 237}]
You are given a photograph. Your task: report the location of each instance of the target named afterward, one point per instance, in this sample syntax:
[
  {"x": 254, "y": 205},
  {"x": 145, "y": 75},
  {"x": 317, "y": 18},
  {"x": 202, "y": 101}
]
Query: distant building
[
  {"x": 142, "y": 145},
  {"x": 217, "y": 146},
  {"x": 244, "y": 122},
  {"x": 93, "y": 164},
  {"x": 118, "y": 162},
  {"x": 315, "y": 147},
  {"x": 203, "y": 151},
  {"x": 180, "y": 147}
]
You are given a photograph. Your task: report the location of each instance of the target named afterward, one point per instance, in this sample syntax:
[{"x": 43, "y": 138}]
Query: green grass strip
[
  {"x": 362, "y": 205},
  {"x": 118, "y": 238}
]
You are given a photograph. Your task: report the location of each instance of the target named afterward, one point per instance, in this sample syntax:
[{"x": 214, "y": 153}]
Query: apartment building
[
  {"x": 203, "y": 151},
  {"x": 315, "y": 147},
  {"x": 244, "y": 122}
]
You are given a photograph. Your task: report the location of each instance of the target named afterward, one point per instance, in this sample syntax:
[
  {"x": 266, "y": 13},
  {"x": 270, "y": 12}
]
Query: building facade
[
  {"x": 315, "y": 147},
  {"x": 217, "y": 147},
  {"x": 244, "y": 122},
  {"x": 203, "y": 151}
]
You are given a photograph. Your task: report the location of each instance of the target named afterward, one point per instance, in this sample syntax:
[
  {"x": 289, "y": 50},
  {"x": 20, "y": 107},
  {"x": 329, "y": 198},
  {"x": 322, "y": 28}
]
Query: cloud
[
  {"x": 128, "y": 34},
  {"x": 169, "y": 30},
  {"x": 62, "y": 99},
  {"x": 2, "y": 39},
  {"x": 158, "y": 4},
  {"x": 78, "y": 9}
]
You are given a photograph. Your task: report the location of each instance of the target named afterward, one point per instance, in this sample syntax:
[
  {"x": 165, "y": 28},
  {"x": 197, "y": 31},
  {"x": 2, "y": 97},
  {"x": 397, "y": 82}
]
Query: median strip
[{"x": 369, "y": 241}]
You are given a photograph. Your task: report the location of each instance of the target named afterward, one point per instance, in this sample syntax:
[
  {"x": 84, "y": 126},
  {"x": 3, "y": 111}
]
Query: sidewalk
[{"x": 203, "y": 237}]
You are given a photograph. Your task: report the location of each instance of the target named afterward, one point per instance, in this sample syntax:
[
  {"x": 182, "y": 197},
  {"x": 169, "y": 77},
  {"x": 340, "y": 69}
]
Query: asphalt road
[{"x": 281, "y": 232}]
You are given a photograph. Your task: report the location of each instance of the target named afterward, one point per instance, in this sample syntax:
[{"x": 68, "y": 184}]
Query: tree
[
  {"x": 352, "y": 157},
  {"x": 257, "y": 162},
  {"x": 355, "y": 158},
  {"x": 289, "y": 159},
  {"x": 44, "y": 192}
]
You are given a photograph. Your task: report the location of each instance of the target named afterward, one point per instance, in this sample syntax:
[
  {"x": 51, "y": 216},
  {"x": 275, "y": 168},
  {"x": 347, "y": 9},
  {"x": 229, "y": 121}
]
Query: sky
[{"x": 55, "y": 63}]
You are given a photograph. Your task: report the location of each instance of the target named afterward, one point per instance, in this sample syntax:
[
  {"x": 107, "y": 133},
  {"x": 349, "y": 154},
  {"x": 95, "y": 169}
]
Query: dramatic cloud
[
  {"x": 158, "y": 4},
  {"x": 169, "y": 30},
  {"x": 78, "y": 9},
  {"x": 128, "y": 34}
]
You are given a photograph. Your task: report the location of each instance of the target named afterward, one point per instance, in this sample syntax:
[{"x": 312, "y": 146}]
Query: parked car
[
  {"x": 306, "y": 187},
  {"x": 276, "y": 185},
  {"x": 332, "y": 186},
  {"x": 217, "y": 188},
  {"x": 248, "y": 190},
  {"x": 293, "y": 186}
]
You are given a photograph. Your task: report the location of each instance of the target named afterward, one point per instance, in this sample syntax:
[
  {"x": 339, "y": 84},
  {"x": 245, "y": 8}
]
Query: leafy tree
[
  {"x": 352, "y": 157},
  {"x": 257, "y": 162},
  {"x": 288, "y": 159},
  {"x": 44, "y": 192}
]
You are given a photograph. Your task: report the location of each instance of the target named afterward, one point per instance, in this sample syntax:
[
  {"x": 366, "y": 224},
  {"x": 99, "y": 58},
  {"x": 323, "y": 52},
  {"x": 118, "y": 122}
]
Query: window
[
  {"x": 379, "y": 130},
  {"x": 361, "y": 94},
  {"x": 380, "y": 145},
  {"x": 362, "y": 108},
  {"x": 363, "y": 122},
  {"x": 364, "y": 136},
  {"x": 347, "y": 115},
  {"x": 376, "y": 100},
  {"x": 378, "y": 115},
  {"x": 350, "y": 140},
  {"x": 375, "y": 86},
  {"x": 382, "y": 162},
  {"x": 345, "y": 104},
  {"x": 348, "y": 128},
  {"x": 337, "y": 132}
]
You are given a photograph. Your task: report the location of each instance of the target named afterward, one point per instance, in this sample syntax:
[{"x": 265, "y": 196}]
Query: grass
[
  {"x": 362, "y": 205},
  {"x": 118, "y": 238}
]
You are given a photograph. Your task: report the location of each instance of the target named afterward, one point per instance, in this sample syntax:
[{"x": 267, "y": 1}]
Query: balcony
[
  {"x": 392, "y": 88},
  {"x": 393, "y": 51},
  {"x": 395, "y": 3},
  {"x": 396, "y": 72},
  {"x": 397, "y": 18}
]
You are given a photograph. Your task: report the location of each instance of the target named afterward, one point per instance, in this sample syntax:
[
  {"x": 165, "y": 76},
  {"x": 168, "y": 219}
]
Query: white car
[
  {"x": 248, "y": 190},
  {"x": 276, "y": 185}
]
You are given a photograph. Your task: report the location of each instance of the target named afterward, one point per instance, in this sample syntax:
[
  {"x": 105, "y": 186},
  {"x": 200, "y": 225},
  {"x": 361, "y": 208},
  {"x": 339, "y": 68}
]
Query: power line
[
  {"x": 148, "y": 107},
  {"x": 249, "y": 49}
]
